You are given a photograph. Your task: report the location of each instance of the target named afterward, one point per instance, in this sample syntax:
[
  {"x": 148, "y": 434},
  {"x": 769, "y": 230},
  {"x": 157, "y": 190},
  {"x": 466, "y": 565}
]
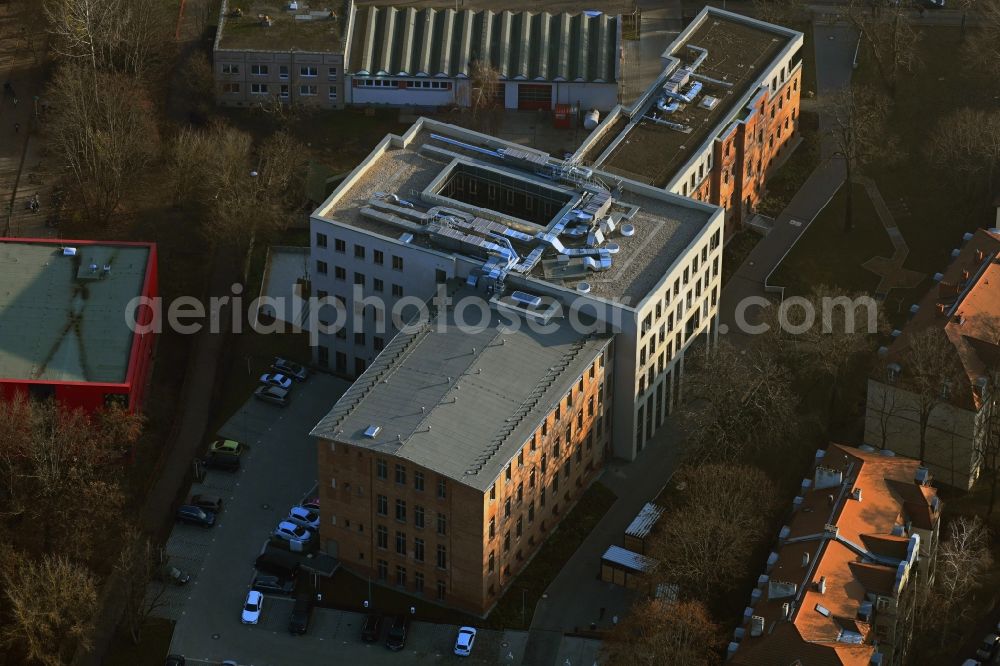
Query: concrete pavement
[
  {"x": 834, "y": 46},
  {"x": 575, "y": 597}
]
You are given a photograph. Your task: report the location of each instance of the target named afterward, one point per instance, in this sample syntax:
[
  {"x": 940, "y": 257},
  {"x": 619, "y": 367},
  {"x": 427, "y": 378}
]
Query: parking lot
[{"x": 278, "y": 468}]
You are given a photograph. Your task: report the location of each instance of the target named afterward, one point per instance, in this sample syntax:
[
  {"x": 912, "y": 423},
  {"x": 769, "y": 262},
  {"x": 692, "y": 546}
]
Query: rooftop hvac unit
[{"x": 69, "y": 251}]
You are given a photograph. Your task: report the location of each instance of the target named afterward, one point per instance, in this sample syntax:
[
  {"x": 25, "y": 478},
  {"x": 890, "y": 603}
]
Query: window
[
  {"x": 441, "y": 590},
  {"x": 340, "y": 273},
  {"x": 531, "y": 478},
  {"x": 506, "y": 508},
  {"x": 534, "y": 442},
  {"x": 308, "y": 70},
  {"x": 258, "y": 88},
  {"x": 442, "y": 524},
  {"x": 520, "y": 527},
  {"x": 378, "y": 257},
  {"x": 418, "y": 550},
  {"x": 359, "y": 339},
  {"x": 321, "y": 267},
  {"x": 590, "y": 406},
  {"x": 531, "y": 512},
  {"x": 544, "y": 463},
  {"x": 492, "y": 563},
  {"x": 382, "y": 505},
  {"x": 258, "y": 70},
  {"x": 418, "y": 480},
  {"x": 340, "y": 245},
  {"x": 331, "y": 73},
  {"x": 520, "y": 458},
  {"x": 401, "y": 509},
  {"x": 378, "y": 285},
  {"x": 567, "y": 468},
  {"x": 381, "y": 468},
  {"x": 520, "y": 493},
  {"x": 379, "y": 344},
  {"x": 359, "y": 251},
  {"x": 507, "y": 472},
  {"x": 442, "y": 557},
  {"x": 283, "y": 71},
  {"x": 382, "y": 536},
  {"x": 397, "y": 263},
  {"x": 493, "y": 527},
  {"x": 230, "y": 69},
  {"x": 308, "y": 91},
  {"x": 397, "y": 291},
  {"x": 400, "y": 575},
  {"x": 400, "y": 474},
  {"x": 442, "y": 488},
  {"x": 401, "y": 543},
  {"x": 383, "y": 569},
  {"x": 418, "y": 516},
  {"x": 332, "y": 95},
  {"x": 418, "y": 582},
  {"x": 320, "y": 240},
  {"x": 440, "y": 276},
  {"x": 231, "y": 88},
  {"x": 506, "y": 542}
]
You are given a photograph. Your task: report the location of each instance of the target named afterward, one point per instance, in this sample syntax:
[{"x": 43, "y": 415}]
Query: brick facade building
[{"x": 450, "y": 503}]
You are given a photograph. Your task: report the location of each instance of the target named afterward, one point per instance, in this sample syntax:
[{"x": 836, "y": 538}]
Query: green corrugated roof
[
  {"x": 527, "y": 46},
  {"x": 61, "y": 319}
]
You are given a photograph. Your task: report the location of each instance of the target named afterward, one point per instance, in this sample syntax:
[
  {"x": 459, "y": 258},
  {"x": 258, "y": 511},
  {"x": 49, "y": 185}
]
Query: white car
[
  {"x": 465, "y": 640},
  {"x": 292, "y": 532},
  {"x": 304, "y": 517},
  {"x": 276, "y": 379},
  {"x": 252, "y": 608}
]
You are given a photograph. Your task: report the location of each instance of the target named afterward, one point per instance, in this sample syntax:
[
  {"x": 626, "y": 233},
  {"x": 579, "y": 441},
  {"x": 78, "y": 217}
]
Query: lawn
[
  {"x": 789, "y": 178},
  {"x": 736, "y": 252},
  {"x": 150, "y": 651},
  {"x": 826, "y": 254}
]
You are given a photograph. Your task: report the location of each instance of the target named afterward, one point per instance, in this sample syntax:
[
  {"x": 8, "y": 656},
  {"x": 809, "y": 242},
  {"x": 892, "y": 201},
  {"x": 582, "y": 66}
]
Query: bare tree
[
  {"x": 858, "y": 130},
  {"x": 137, "y": 564},
  {"x": 982, "y": 45},
  {"x": 890, "y": 36},
  {"x": 126, "y": 36},
  {"x": 52, "y": 603},
  {"x": 930, "y": 371},
  {"x": 885, "y": 401},
  {"x": 777, "y": 11},
  {"x": 965, "y": 144},
  {"x": 751, "y": 409},
  {"x": 659, "y": 632},
  {"x": 103, "y": 132},
  {"x": 484, "y": 80},
  {"x": 707, "y": 541},
  {"x": 962, "y": 562}
]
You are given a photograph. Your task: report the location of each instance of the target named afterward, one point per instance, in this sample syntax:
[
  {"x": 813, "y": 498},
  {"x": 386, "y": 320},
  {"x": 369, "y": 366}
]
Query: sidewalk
[
  {"x": 575, "y": 597},
  {"x": 834, "y": 46}
]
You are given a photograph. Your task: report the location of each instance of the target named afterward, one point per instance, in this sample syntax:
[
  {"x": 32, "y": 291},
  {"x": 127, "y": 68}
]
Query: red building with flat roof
[{"x": 65, "y": 312}]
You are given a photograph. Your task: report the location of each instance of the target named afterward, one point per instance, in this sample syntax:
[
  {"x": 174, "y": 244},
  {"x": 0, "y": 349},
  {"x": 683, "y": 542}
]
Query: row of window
[
  {"x": 419, "y": 514},
  {"x": 340, "y": 274},
  {"x": 265, "y": 70},
  {"x": 305, "y": 90},
  {"x": 360, "y": 251},
  {"x": 382, "y": 474},
  {"x": 419, "y": 547},
  {"x": 401, "y": 84},
  {"x": 382, "y": 571}
]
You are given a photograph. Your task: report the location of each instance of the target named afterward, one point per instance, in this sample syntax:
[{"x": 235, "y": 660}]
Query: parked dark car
[
  {"x": 195, "y": 516},
  {"x": 291, "y": 369},
  {"x": 277, "y": 563},
  {"x": 270, "y": 584},
  {"x": 273, "y": 395},
  {"x": 371, "y": 630},
  {"x": 395, "y": 639},
  {"x": 174, "y": 660},
  {"x": 211, "y": 503},
  {"x": 222, "y": 461},
  {"x": 298, "y": 622}
]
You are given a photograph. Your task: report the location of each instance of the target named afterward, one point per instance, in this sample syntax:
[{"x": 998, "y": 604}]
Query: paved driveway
[{"x": 278, "y": 469}]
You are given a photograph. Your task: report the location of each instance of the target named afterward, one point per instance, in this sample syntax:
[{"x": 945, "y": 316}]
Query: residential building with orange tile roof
[
  {"x": 964, "y": 306},
  {"x": 837, "y": 587}
]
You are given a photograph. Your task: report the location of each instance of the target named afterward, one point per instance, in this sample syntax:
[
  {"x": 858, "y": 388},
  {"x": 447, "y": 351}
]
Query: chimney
[
  {"x": 821, "y": 585},
  {"x": 980, "y": 256},
  {"x": 827, "y": 477},
  {"x": 942, "y": 308},
  {"x": 966, "y": 275},
  {"x": 756, "y": 625},
  {"x": 829, "y": 499},
  {"x": 856, "y": 494},
  {"x": 786, "y": 610},
  {"x": 805, "y": 559}
]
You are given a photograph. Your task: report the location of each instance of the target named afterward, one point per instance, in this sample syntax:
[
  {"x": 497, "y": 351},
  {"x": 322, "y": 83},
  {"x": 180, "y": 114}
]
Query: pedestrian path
[{"x": 890, "y": 270}]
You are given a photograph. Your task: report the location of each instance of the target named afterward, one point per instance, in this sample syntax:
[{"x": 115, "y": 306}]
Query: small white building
[{"x": 423, "y": 57}]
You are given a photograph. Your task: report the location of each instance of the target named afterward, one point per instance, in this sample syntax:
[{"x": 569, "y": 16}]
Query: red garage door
[{"x": 534, "y": 96}]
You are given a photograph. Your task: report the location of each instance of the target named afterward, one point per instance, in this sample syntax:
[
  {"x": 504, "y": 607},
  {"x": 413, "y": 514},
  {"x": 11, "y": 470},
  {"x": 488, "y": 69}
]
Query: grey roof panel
[
  {"x": 459, "y": 401},
  {"x": 521, "y": 45}
]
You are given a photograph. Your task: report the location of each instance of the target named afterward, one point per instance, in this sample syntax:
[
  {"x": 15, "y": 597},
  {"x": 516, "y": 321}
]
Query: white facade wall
[{"x": 951, "y": 432}]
